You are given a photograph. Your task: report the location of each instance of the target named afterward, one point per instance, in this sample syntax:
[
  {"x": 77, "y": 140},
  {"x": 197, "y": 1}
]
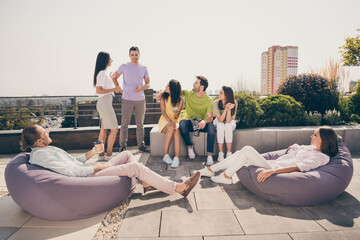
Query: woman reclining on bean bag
[{"x": 301, "y": 159}]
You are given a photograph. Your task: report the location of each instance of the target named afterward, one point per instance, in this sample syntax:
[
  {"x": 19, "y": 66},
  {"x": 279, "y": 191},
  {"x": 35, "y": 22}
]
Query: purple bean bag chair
[
  {"x": 53, "y": 196},
  {"x": 302, "y": 188}
]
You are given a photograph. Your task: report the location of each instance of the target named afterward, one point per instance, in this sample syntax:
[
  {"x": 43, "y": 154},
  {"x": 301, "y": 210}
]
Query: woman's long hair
[
  {"x": 175, "y": 90},
  {"x": 329, "y": 141},
  {"x": 229, "y": 98},
  {"x": 29, "y": 136},
  {"x": 102, "y": 61}
]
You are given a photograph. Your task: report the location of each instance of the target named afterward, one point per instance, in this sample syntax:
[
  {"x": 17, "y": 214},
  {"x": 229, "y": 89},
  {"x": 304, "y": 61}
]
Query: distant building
[{"x": 276, "y": 65}]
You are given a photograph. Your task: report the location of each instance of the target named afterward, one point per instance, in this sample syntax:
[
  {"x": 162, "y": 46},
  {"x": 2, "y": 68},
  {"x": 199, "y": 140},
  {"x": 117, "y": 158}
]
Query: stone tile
[
  {"x": 6, "y": 232},
  {"x": 93, "y": 222},
  {"x": 162, "y": 202},
  {"x": 54, "y": 233},
  {"x": 331, "y": 235},
  {"x": 335, "y": 217},
  {"x": 227, "y": 200},
  {"x": 354, "y": 187},
  {"x": 162, "y": 238},
  {"x": 282, "y": 220},
  {"x": 140, "y": 224},
  {"x": 251, "y": 237},
  {"x": 11, "y": 214},
  {"x": 199, "y": 223},
  {"x": 245, "y": 200},
  {"x": 206, "y": 185},
  {"x": 233, "y": 187},
  {"x": 344, "y": 199},
  {"x": 213, "y": 201},
  {"x": 356, "y": 164}
]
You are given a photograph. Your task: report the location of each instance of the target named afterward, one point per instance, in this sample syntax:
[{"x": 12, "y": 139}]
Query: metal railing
[{"x": 45, "y": 107}]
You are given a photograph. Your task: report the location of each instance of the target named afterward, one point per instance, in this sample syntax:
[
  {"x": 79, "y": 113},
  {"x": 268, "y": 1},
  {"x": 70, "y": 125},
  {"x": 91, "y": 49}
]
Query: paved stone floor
[{"x": 211, "y": 211}]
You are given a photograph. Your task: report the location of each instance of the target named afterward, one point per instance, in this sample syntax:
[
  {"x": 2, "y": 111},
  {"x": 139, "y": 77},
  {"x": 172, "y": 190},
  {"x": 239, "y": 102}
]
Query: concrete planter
[{"x": 262, "y": 139}]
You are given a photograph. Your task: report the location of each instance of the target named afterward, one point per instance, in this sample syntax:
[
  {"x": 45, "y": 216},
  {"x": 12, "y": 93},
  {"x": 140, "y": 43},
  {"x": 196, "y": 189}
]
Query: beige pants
[{"x": 124, "y": 164}]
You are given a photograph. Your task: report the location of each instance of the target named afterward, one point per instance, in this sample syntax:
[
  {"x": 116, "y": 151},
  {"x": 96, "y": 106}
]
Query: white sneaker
[
  {"x": 205, "y": 172},
  {"x": 191, "y": 153},
  {"x": 228, "y": 154},
  {"x": 221, "y": 156},
  {"x": 221, "y": 179},
  {"x": 107, "y": 158},
  {"x": 209, "y": 161},
  {"x": 101, "y": 158}
]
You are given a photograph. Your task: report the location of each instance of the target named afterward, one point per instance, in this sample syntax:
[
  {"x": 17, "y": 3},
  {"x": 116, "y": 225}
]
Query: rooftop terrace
[{"x": 211, "y": 211}]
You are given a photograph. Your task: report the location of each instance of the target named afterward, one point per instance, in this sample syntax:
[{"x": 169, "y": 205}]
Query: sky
[{"x": 49, "y": 47}]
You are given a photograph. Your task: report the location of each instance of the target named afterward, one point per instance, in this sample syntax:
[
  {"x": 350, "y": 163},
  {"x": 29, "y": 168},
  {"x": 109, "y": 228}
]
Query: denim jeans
[{"x": 186, "y": 127}]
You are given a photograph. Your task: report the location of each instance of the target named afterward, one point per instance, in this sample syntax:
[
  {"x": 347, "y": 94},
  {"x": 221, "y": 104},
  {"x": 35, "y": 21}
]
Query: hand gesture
[
  {"x": 229, "y": 106},
  {"x": 138, "y": 88},
  {"x": 118, "y": 89},
  {"x": 202, "y": 124},
  {"x": 158, "y": 96},
  {"x": 262, "y": 176}
]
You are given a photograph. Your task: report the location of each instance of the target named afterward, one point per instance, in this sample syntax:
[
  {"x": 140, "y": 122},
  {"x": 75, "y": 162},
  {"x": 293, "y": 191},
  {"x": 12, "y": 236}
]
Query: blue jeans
[{"x": 186, "y": 127}]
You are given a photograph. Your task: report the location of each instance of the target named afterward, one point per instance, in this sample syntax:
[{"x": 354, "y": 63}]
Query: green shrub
[
  {"x": 332, "y": 117},
  {"x": 248, "y": 111},
  {"x": 313, "y": 91},
  {"x": 344, "y": 108},
  {"x": 312, "y": 118},
  {"x": 281, "y": 110},
  {"x": 355, "y": 118},
  {"x": 354, "y": 104}
]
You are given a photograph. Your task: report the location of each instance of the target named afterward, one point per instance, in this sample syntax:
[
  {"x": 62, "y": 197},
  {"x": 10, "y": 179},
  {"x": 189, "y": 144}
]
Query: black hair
[
  {"x": 175, "y": 92},
  {"x": 102, "y": 60},
  {"x": 229, "y": 98},
  {"x": 133, "y": 48},
  {"x": 203, "y": 82}
]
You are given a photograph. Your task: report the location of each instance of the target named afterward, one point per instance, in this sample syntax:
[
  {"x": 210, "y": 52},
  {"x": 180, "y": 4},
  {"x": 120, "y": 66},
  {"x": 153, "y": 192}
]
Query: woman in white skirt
[
  {"x": 224, "y": 109},
  {"x": 105, "y": 90}
]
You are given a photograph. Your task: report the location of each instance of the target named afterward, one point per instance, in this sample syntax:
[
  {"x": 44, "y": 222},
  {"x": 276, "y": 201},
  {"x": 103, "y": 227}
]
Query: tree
[
  {"x": 315, "y": 92},
  {"x": 351, "y": 51}
]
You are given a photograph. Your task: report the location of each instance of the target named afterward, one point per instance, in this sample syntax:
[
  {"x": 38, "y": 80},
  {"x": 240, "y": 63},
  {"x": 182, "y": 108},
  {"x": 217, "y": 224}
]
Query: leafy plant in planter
[
  {"x": 312, "y": 118},
  {"x": 315, "y": 92},
  {"x": 248, "y": 111},
  {"x": 281, "y": 110}
]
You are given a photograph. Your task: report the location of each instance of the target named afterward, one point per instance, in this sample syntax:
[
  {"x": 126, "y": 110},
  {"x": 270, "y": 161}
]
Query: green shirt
[{"x": 197, "y": 107}]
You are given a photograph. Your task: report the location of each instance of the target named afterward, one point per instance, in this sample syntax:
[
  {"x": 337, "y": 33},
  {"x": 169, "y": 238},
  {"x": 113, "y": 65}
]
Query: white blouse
[{"x": 305, "y": 157}]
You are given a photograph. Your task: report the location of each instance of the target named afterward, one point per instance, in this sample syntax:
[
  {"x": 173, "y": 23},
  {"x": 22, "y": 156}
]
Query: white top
[
  {"x": 59, "y": 161},
  {"x": 104, "y": 81},
  {"x": 305, "y": 157}
]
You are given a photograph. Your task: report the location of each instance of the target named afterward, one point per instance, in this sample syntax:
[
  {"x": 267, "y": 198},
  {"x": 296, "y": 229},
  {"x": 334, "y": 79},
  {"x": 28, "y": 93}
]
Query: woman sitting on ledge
[
  {"x": 299, "y": 158},
  {"x": 171, "y": 104},
  {"x": 124, "y": 164}
]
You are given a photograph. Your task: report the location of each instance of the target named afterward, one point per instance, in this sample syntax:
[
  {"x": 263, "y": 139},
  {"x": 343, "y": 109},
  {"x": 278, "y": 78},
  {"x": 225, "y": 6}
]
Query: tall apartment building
[{"x": 276, "y": 65}]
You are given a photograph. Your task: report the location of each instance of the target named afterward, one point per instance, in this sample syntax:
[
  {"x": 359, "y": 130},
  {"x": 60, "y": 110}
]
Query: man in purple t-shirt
[{"x": 133, "y": 98}]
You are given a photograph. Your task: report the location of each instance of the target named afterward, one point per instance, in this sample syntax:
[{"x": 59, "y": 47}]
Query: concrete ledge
[
  {"x": 262, "y": 139},
  {"x": 69, "y": 138}
]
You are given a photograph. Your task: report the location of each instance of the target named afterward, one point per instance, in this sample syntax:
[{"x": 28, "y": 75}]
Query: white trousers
[
  {"x": 247, "y": 155},
  {"x": 225, "y": 130}
]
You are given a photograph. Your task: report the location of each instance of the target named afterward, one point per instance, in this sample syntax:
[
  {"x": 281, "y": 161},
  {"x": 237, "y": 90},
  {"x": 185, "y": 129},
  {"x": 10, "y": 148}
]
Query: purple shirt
[{"x": 133, "y": 76}]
